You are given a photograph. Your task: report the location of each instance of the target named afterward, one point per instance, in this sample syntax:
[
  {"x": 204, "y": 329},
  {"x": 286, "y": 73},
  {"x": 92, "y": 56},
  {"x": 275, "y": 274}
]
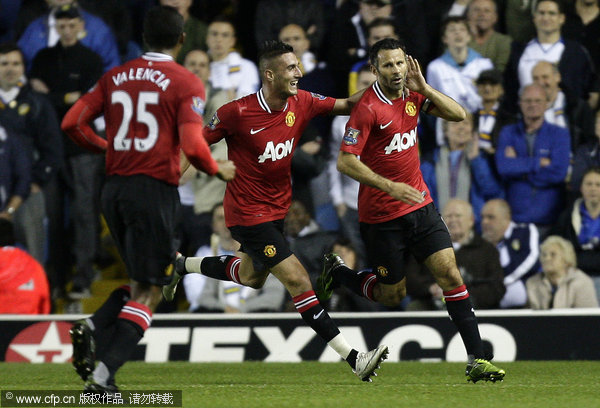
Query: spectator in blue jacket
[
  {"x": 533, "y": 158},
  {"x": 15, "y": 174},
  {"x": 97, "y": 36},
  {"x": 459, "y": 169}
]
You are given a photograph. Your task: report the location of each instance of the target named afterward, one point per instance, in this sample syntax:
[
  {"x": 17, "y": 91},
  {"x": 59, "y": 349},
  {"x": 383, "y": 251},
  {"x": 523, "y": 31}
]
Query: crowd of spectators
[{"x": 521, "y": 171}]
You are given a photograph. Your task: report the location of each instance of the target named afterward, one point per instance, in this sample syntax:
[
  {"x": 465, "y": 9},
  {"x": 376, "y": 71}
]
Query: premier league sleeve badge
[{"x": 350, "y": 138}]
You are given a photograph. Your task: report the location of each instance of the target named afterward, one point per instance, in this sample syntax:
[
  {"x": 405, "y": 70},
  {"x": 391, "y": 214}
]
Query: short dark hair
[
  {"x": 593, "y": 169},
  {"x": 222, "y": 18},
  {"x": 453, "y": 19},
  {"x": 272, "y": 49},
  {"x": 163, "y": 27},
  {"x": 381, "y": 22},
  {"x": 489, "y": 76},
  {"x": 7, "y": 47},
  {"x": 68, "y": 11},
  {"x": 385, "y": 44},
  {"x": 558, "y": 3}
]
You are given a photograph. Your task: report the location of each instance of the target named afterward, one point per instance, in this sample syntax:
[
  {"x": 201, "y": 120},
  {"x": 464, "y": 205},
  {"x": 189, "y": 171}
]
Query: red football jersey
[
  {"x": 261, "y": 143},
  {"x": 144, "y": 101},
  {"x": 384, "y": 134}
]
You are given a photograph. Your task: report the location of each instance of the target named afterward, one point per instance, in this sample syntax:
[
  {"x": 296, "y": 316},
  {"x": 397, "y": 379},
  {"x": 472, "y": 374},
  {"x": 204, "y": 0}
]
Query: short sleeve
[
  {"x": 191, "y": 106},
  {"x": 221, "y": 123},
  {"x": 318, "y": 104},
  {"x": 358, "y": 129}
]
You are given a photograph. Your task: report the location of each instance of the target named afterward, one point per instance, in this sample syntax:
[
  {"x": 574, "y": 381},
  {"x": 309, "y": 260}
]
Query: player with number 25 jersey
[
  {"x": 153, "y": 109},
  {"x": 144, "y": 102}
]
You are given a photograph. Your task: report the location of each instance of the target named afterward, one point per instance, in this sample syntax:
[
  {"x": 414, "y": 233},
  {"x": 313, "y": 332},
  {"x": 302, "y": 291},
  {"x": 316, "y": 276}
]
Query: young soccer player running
[
  {"x": 262, "y": 130},
  {"x": 153, "y": 109},
  {"x": 395, "y": 209}
]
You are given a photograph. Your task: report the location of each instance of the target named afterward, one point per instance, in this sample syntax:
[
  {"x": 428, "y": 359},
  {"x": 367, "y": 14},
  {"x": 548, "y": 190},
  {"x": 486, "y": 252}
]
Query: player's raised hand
[
  {"x": 406, "y": 193},
  {"x": 415, "y": 81},
  {"x": 226, "y": 170}
]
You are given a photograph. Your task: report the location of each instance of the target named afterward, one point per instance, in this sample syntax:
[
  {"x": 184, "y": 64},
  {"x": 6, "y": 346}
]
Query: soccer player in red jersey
[
  {"x": 395, "y": 209},
  {"x": 262, "y": 130},
  {"x": 153, "y": 109}
]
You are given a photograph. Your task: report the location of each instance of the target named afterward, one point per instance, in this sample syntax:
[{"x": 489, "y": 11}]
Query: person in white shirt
[
  {"x": 578, "y": 74},
  {"x": 455, "y": 71},
  {"x": 228, "y": 70}
]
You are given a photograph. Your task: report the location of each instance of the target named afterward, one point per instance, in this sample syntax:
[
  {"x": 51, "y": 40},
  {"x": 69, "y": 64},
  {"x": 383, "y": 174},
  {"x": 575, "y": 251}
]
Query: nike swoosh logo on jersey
[
  {"x": 253, "y": 132},
  {"x": 316, "y": 316},
  {"x": 384, "y": 126}
]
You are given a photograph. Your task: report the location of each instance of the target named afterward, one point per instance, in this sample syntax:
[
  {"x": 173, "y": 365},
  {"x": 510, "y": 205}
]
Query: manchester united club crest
[
  {"x": 410, "y": 108},
  {"x": 270, "y": 251},
  {"x": 290, "y": 119},
  {"x": 382, "y": 271}
]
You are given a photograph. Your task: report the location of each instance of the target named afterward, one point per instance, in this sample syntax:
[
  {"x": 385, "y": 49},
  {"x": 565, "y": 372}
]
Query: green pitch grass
[{"x": 311, "y": 384}]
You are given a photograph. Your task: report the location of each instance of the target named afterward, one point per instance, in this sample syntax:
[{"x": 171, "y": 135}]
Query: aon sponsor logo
[
  {"x": 276, "y": 151},
  {"x": 402, "y": 141}
]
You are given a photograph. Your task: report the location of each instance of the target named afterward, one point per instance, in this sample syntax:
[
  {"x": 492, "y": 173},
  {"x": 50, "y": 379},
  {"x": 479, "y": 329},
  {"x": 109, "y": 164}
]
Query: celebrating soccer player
[
  {"x": 395, "y": 209},
  {"x": 262, "y": 130},
  {"x": 153, "y": 109}
]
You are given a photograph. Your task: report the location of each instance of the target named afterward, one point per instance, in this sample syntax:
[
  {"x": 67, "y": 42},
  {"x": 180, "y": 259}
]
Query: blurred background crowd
[{"x": 517, "y": 182}]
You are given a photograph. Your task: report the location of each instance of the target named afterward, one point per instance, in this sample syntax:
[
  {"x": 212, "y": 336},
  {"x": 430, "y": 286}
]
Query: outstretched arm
[
  {"x": 350, "y": 165},
  {"x": 444, "y": 106},
  {"x": 344, "y": 106}
]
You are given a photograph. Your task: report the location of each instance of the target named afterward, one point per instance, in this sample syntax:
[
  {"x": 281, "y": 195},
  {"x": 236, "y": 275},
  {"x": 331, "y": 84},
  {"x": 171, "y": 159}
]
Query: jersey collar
[
  {"x": 263, "y": 102},
  {"x": 157, "y": 56},
  {"x": 380, "y": 94}
]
